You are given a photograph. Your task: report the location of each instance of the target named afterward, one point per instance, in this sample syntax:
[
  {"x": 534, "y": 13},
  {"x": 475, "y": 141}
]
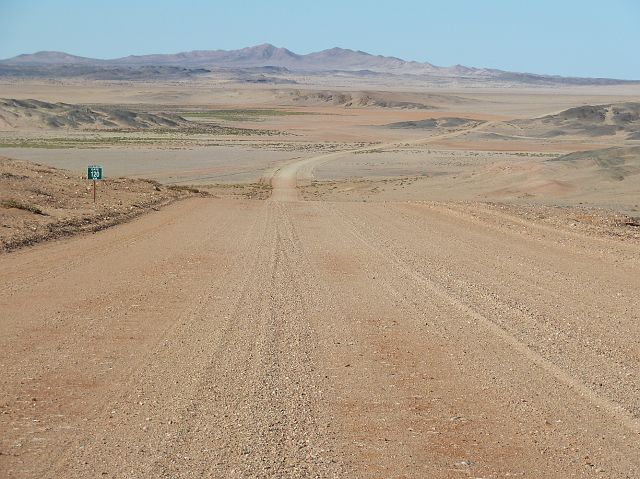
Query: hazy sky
[{"x": 565, "y": 37}]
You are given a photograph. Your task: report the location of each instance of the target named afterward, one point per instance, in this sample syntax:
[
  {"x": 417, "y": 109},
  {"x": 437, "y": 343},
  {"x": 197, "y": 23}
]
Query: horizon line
[{"x": 268, "y": 44}]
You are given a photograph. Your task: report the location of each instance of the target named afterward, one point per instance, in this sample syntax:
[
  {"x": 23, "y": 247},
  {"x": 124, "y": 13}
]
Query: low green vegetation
[
  {"x": 78, "y": 142},
  {"x": 106, "y": 140},
  {"x": 239, "y": 115}
]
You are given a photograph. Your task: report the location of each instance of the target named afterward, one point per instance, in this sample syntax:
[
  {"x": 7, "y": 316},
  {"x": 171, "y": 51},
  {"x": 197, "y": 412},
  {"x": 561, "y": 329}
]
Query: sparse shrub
[
  {"x": 40, "y": 192},
  {"x": 23, "y": 206},
  {"x": 156, "y": 184},
  {"x": 189, "y": 189},
  {"x": 11, "y": 176}
]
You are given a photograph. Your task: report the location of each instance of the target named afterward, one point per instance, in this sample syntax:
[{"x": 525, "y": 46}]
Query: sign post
[{"x": 94, "y": 172}]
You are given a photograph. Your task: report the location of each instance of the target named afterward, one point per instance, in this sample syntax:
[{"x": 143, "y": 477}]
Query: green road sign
[{"x": 94, "y": 172}]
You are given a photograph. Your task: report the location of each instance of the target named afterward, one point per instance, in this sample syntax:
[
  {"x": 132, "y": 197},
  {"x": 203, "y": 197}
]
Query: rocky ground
[
  {"x": 434, "y": 299},
  {"x": 40, "y": 203},
  {"x": 288, "y": 338}
]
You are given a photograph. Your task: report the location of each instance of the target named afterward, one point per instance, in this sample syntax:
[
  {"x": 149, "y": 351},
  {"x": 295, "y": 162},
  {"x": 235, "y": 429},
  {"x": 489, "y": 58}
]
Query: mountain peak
[
  {"x": 47, "y": 57},
  {"x": 268, "y": 55},
  {"x": 267, "y": 50}
]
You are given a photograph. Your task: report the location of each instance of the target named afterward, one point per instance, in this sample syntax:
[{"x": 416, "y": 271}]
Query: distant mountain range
[{"x": 266, "y": 55}]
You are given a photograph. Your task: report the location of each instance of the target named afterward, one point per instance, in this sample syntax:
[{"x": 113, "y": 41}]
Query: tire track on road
[{"x": 615, "y": 410}]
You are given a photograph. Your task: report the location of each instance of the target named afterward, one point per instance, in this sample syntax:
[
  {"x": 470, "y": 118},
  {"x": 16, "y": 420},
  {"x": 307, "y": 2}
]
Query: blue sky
[{"x": 565, "y": 37}]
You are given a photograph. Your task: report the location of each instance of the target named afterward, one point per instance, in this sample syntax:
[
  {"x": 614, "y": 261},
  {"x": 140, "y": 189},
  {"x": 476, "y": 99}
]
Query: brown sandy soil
[
  {"x": 515, "y": 102},
  {"x": 40, "y": 203},
  {"x": 604, "y": 178},
  {"x": 399, "y": 338},
  {"x": 613, "y": 219},
  {"x": 184, "y": 165},
  {"x": 285, "y": 338},
  {"x": 542, "y": 145}
]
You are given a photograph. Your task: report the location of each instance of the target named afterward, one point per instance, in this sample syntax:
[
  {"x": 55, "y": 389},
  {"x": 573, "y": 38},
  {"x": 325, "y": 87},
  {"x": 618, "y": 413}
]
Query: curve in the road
[{"x": 285, "y": 180}]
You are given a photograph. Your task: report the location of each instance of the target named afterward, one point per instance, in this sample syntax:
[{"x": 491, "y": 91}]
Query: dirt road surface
[{"x": 282, "y": 338}]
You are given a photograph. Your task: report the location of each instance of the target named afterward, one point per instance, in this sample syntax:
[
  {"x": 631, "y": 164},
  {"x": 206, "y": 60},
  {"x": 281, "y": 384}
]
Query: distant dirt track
[
  {"x": 285, "y": 179},
  {"x": 281, "y": 338}
]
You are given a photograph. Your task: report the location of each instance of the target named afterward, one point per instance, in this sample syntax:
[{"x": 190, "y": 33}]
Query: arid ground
[{"x": 332, "y": 280}]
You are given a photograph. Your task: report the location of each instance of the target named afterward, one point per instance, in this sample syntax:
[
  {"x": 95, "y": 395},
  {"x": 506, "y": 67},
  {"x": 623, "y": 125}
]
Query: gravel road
[{"x": 282, "y": 338}]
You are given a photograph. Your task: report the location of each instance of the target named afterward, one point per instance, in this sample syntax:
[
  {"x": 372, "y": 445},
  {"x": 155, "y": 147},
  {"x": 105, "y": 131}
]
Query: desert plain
[{"x": 319, "y": 276}]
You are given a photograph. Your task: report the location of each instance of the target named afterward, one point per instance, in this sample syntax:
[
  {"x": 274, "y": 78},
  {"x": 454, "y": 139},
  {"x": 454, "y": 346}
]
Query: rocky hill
[
  {"x": 590, "y": 120},
  {"x": 35, "y": 114}
]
